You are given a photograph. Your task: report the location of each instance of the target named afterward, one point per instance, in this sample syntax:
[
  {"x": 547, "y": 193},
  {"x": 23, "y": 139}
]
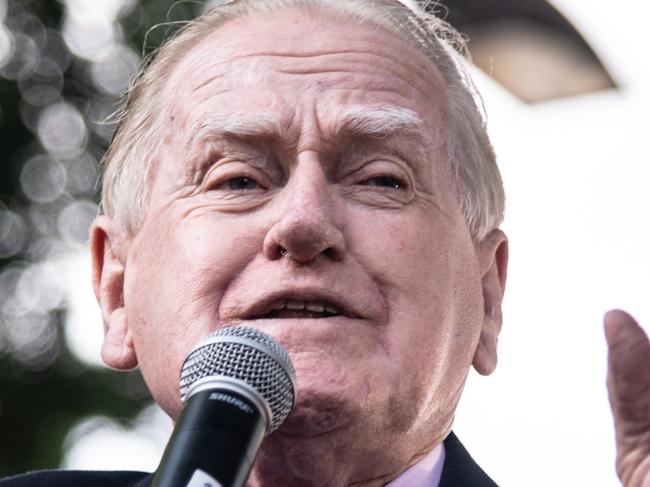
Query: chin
[
  {"x": 320, "y": 412},
  {"x": 299, "y": 461},
  {"x": 340, "y": 457},
  {"x": 329, "y": 396}
]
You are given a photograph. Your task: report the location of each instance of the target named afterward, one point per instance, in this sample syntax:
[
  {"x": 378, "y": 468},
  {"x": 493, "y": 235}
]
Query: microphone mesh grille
[{"x": 265, "y": 367}]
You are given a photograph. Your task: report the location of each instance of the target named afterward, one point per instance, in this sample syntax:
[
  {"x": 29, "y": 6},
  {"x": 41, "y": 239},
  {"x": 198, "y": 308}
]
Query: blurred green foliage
[{"x": 42, "y": 398}]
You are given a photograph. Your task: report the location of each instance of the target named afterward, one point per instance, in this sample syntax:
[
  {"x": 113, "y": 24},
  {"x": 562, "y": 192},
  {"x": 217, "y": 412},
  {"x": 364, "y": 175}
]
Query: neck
[{"x": 317, "y": 462}]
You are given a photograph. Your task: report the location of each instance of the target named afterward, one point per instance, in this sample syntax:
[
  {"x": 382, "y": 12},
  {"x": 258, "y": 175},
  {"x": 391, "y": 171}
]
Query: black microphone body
[
  {"x": 238, "y": 385},
  {"x": 218, "y": 434}
]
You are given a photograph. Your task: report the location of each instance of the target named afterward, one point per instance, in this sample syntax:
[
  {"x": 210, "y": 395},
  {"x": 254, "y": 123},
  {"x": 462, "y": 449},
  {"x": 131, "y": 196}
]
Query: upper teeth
[{"x": 315, "y": 306}]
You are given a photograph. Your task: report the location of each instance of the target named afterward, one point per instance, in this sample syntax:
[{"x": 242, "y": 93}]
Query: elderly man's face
[{"x": 302, "y": 189}]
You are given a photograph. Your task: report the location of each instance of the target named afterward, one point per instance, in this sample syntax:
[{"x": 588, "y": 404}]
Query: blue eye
[
  {"x": 385, "y": 182},
  {"x": 241, "y": 184}
]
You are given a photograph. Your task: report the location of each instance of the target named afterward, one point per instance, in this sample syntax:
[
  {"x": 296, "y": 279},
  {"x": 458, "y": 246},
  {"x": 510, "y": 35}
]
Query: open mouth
[{"x": 290, "y": 308}]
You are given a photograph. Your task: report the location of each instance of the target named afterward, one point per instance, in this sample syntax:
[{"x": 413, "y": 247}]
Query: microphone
[{"x": 238, "y": 385}]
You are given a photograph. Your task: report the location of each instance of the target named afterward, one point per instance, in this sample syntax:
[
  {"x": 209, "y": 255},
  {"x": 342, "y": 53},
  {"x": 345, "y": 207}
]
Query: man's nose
[{"x": 309, "y": 225}]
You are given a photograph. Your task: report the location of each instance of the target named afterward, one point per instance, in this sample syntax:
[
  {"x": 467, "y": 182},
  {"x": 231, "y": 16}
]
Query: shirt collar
[{"x": 425, "y": 473}]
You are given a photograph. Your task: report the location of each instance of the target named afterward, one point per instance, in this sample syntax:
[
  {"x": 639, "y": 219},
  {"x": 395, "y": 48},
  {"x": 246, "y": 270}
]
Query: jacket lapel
[{"x": 459, "y": 469}]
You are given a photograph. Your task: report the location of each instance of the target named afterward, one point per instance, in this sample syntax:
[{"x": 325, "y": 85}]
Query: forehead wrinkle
[
  {"x": 385, "y": 54},
  {"x": 338, "y": 63},
  {"x": 301, "y": 60},
  {"x": 198, "y": 85}
]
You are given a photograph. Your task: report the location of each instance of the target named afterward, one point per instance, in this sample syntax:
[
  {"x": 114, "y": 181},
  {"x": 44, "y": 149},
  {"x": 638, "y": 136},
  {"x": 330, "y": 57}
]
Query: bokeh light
[
  {"x": 90, "y": 41},
  {"x": 62, "y": 130},
  {"x": 113, "y": 73},
  {"x": 55, "y": 49},
  {"x": 75, "y": 221},
  {"x": 6, "y": 45},
  {"x": 69, "y": 80},
  {"x": 90, "y": 444},
  {"x": 43, "y": 179},
  {"x": 90, "y": 30},
  {"x": 33, "y": 339},
  {"x": 82, "y": 173},
  {"x": 13, "y": 233},
  {"x": 99, "y": 112},
  {"x": 45, "y": 86},
  {"x": 9, "y": 278},
  {"x": 20, "y": 66}
]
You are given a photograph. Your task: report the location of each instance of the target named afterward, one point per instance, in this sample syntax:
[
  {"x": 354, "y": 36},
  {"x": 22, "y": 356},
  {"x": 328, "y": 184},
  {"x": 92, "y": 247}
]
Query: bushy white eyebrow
[
  {"x": 379, "y": 122},
  {"x": 360, "y": 121},
  {"x": 240, "y": 125}
]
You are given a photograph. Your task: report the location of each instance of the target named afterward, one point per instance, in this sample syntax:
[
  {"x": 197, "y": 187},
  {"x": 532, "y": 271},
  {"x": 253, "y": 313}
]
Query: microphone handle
[{"x": 214, "y": 442}]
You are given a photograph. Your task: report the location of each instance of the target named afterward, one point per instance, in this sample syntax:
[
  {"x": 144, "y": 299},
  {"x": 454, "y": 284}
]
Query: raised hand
[{"x": 628, "y": 382}]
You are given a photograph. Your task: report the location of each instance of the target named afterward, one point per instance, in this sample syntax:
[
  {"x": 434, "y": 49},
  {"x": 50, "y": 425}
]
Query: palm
[{"x": 628, "y": 382}]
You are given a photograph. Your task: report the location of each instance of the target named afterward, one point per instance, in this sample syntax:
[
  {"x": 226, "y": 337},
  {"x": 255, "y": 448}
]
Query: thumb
[
  {"x": 628, "y": 383},
  {"x": 629, "y": 366}
]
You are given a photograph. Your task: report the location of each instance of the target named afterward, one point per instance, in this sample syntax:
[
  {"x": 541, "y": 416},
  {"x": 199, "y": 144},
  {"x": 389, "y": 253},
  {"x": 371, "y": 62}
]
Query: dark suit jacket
[{"x": 459, "y": 470}]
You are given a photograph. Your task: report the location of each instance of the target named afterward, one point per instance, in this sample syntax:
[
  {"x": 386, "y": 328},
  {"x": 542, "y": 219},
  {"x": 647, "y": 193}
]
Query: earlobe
[
  {"x": 108, "y": 251},
  {"x": 493, "y": 259}
]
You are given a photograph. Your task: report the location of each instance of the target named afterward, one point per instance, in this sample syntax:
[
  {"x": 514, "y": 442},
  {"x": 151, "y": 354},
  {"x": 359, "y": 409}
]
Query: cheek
[
  {"x": 191, "y": 261},
  {"x": 428, "y": 270},
  {"x": 410, "y": 255},
  {"x": 176, "y": 275}
]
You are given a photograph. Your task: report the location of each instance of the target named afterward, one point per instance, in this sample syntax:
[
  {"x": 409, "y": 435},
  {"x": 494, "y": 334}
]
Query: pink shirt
[{"x": 425, "y": 473}]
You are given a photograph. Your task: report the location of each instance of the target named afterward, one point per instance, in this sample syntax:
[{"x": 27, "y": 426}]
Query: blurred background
[{"x": 565, "y": 85}]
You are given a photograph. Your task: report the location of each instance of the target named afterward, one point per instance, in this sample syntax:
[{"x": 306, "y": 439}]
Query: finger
[{"x": 628, "y": 373}]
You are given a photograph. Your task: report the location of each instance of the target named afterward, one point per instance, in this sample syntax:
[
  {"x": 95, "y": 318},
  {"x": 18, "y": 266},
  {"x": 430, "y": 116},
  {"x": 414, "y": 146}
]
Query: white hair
[{"x": 128, "y": 164}]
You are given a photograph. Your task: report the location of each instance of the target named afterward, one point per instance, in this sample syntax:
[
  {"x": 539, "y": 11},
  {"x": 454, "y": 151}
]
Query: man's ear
[
  {"x": 493, "y": 261},
  {"x": 108, "y": 246}
]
